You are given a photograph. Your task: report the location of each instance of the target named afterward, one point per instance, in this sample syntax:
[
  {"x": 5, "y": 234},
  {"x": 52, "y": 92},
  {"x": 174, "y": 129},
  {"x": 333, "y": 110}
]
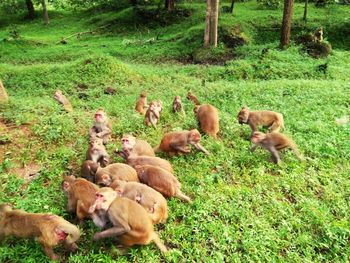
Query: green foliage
[
  {"x": 12, "y": 6},
  {"x": 270, "y": 4},
  {"x": 245, "y": 208}
]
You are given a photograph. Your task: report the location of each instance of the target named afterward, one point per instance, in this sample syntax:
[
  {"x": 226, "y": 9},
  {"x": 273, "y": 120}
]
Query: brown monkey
[
  {"x": 153, "y": 114},
  {"x": 271, "y": 119},
  {"x": 159, "y": 105},
  {"x": 274, "y": 142},
  {"x": 81, "y": 195},
  {"x": 151, "y": 200},
  {"x": 102, "y": 127},
  {"x": 176, "y": 142},
  {"x": 141, "y": 103},
  {"x": 63, "y": 100},
  {"x": 155, "y": 161},
  {"x": 131, "y": 223},
  {"x": 97, "y": 152},
  {"x": 116, "y": 171},
  {"x": 88, "y": 170},
  {"x": 134, "y": 147},
  {"x": 208, "y": 118},
  {"x": 318, "y": 35},
  {"x": 193, "y": 98},
  {"x": 50, "y": 230},
  {"x": 161, "y": 180}
]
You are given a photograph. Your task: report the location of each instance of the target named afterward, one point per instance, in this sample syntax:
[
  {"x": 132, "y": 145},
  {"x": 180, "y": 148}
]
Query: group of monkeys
[{"x": 132, "y": 197}]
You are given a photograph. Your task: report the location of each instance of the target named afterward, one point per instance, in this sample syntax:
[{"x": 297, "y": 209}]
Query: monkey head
[
  {"x": 118, "y": 186},
  {"x": 152, "y": 106},
  {"x": 194, "y": 136},
  {"x": 143, "y": 94},
  {"x": 257, "y": 137},
  {"x": 4, "y": 208},
  {"x": 177, "y": 98},
  {"x": 66, "y": 184},
  {"x": 189, "y": 95},
  {"x": 100, "y": 116},
  {"x": 96, "y": 142},
  {"x": 128, "y": 142},
  {"x": 104, "y": 198},
  {"x": 243, "y": 115},
  {"x": 196, "y": 108},
  {"x": 103, "y": 178}
]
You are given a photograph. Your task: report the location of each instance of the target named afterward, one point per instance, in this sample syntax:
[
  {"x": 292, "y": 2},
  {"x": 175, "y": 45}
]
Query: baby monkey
[
  {"x": 274, "y": 142},
  {"x": 177, "y": 105},
  {"x": 153, "y": 113}
]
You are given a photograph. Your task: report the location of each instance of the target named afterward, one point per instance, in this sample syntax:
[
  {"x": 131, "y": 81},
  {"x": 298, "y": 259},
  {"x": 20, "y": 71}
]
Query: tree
[
  {"x": 45, "y": 14},
  {"x": 30, "y": 7},
  {"x": 170, "y": 4},
  {"x": 211, "y": 23},
  {"x": 305, "y": 10},
  {"x": 287, "y": 22},
  {"x": 232, "y": 5}
]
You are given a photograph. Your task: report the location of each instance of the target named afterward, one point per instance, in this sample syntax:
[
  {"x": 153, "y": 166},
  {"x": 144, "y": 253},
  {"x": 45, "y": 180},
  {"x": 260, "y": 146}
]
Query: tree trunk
[
  {"x": 305, "y": 10},
  {"x": 30, "y": 7},
  {"x": 232, "y": 5},
  {"x": 211, "y": 23},
  {"x": 287, "y": 22},
  {"x": 45, "y": 14},
  {"x": 170, "y": 5},
  {"x": 133, "y": 2}
]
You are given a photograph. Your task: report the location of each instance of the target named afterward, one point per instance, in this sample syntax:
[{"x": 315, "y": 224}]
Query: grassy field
[{"x": 245, "y": 208}]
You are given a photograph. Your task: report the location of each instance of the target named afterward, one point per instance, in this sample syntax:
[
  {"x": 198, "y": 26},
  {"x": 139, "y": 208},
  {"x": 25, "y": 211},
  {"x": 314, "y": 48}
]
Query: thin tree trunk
[
  {"x": 3, "y": 94},
  {"x": 305, "y": 10},
  {"x": 232, "y": 5},
  {"x": 214, "y": 23},
  {"x": 170, "y": 4},
  {"x": 45, "y": 14},
  {"x": 207, "y": 25},
  {"x": 30, "y": 7},
  {"x": 287, "y": 22}
]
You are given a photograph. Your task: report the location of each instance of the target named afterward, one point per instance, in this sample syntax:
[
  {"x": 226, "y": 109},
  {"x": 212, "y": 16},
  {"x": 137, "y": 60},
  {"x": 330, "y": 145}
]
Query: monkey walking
[{"x": 50, "y": 230}]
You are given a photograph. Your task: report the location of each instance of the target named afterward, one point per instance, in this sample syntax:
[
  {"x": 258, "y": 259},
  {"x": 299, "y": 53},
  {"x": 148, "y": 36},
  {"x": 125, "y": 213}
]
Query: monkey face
[
  {"x": 194, "y": 136},
  {"x": 257, "y": 137},
  {"x": 243, "y": 116},
  {"x": 104, "y": 180}
]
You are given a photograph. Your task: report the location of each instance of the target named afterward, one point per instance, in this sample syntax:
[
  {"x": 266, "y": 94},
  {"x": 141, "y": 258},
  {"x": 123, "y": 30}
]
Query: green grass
[{"x": 245, "y": 208}]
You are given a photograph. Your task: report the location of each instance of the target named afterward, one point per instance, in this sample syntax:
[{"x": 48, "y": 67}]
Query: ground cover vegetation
[{"x": 245, "y": 208}]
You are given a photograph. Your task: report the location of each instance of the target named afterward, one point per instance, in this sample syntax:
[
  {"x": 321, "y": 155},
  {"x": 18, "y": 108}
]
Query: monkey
[
  {"x": 175, "y": 143},
  {"x": 151, "y": 200},
  {"x": 63, "y": 100},
  {"x": 318, "y": 35},
  {"x": 193, "y": 98},
  {"x": 271, "y": 119},
  {"x": 155, "y": 161},
  {"x": 88, "y": 170},
  {"x": 97, "y": 152},
  {"x": 153, "y": 114},
  {"x": 134, "y": 147},
  {"x": 208, "y": 118},
  {"x": 49, "y": 229},
  {"x": 159, "y": 105},
  {"x": 81, "y": 195},
  {"x": 132, "y": 225},
  {"x": 102, "y": 127},
  {"x": 141, "y": 103},
  {"x": 116, "y": 171},
  {"x": 177, "y": 105},
  {"x": 161, "y": 180},
  {"x": 274, "y": 142}
]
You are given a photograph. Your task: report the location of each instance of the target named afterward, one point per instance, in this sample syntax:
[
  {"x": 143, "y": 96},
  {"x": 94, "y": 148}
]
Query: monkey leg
[
  {"x": 275, "y": 154},
  {"x": 275, "y": 127},
  {"x": 112, "y": 232},
  {"x": 200, "y": 148},
  {"x": 182, "y": 196},
  {"x": 159, "y": 243},
  {"x": 180, "y": 148},
  {"x": 47, "y": 248},
  {"x": 81, "y": 212}
]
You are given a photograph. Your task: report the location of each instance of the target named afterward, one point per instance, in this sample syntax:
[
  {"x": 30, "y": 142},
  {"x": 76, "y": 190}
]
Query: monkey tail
[
  {"x": 156, "y": 149},
  {"x": 297, "y": 153},
  {"x": 182, "y": 196},
  {"x": 159, "y": 243}
]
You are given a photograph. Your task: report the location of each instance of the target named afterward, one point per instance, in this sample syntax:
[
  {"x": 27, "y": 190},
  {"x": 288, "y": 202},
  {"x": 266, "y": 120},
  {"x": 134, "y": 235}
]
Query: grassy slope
[{"x": 244, "y": 207}]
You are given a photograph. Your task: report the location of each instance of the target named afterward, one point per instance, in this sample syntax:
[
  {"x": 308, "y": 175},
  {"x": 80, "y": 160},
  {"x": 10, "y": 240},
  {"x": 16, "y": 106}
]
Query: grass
[{"x": 245, "y": 208}]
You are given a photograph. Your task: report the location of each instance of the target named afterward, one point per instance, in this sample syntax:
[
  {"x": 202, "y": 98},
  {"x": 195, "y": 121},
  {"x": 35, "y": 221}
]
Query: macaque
[
  {"x": 175, "y": 143},
  {"x": 134, "y": 147},
  {"x": 97, "y": 152},
  {"x": 88, "y": 170},
  {"x": 63, "y": 100},
  {"x": 50, "y": 230},
  {"x": 155, "y": 161},
  {"x": 159, "y": 105},
  {"x": 101, "y": 127},
  {"x": 141, "y": 103},
  {"x": 153, "y": 114},
  {"x": 161, "y": 180},
  {"x": 318, "y": 35},
  {"x": 274, "y": 142},
  {"x": 81, "y": 195},
  {"x": 271, "y": 119},
  {"x": 151, "y": 200},
  {"x": 177, "y": 105},
  {"x": 132, "y": 225},
  {"x": 193, "y": 98},
  {"x": 116, "y": 171},
  {"x": 208, "y": 118}
]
